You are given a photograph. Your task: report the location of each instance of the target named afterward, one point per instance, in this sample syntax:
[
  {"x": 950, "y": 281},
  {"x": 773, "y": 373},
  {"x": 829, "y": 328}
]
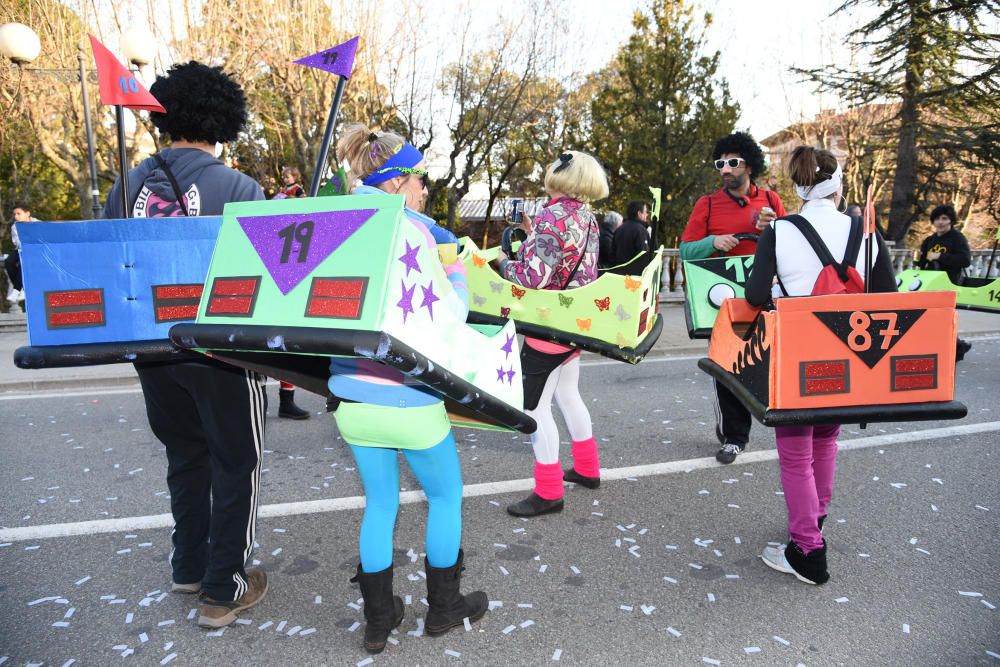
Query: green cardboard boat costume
[{"x": 294, "y": 282}]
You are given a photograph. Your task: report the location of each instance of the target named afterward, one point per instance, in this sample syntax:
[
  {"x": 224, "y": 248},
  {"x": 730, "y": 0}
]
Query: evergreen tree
[
  {"x": 658, "y": 113},
  {"x": 936, "y": 61}
]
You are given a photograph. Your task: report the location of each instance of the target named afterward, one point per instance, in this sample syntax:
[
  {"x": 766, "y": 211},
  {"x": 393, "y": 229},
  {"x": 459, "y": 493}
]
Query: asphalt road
[{"x": 658, "y": 567}]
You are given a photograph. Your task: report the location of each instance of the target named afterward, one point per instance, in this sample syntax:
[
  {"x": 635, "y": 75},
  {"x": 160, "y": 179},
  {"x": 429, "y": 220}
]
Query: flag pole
[
  {"x": 869, "y": 223},
  {"x": 324, "y": 148},
  {"x": 122, "y": 159}
]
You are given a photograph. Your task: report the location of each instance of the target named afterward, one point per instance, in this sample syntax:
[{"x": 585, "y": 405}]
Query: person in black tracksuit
[
  {"x": 631, "y": 239},
  {"x": 947, "y": 250},
  {"x": 209, "y": 415}
]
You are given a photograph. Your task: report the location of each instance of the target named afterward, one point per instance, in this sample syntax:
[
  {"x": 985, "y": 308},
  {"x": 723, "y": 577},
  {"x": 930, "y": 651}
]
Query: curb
[{"x": 21, "y": 386}]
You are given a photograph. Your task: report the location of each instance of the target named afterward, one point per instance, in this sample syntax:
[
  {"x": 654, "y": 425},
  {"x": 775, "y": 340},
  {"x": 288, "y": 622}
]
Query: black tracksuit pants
[
  {"x": 733, "y": 420},
  {"x": 210, "y": 418}
]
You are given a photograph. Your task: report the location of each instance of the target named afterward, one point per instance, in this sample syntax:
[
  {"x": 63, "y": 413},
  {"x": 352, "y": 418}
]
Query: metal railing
[{"x": 902, "y": 260}]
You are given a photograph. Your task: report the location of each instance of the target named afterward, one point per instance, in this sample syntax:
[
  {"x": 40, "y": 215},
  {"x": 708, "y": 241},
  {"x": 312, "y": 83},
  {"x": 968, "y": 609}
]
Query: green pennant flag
[
  {"x": 337, "y": 185},
  {"x": 656, "y": 202}
]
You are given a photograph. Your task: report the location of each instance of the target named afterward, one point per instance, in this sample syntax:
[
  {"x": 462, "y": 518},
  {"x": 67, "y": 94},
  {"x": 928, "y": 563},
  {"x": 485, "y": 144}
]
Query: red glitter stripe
[
  {"x": 76, "y": 317},
  {"x": 179, "y": 291},
  {"x": 238, "y": 305},
  {"x": 922, "y": 381},
  {"x": 340, "y": 289},
  {"x": 170, "y": 313},
  {"x": 826, "y": 386},
  {"x": 925, "y": 365},
  {"x": 826, "y": 369},
  {"x": 334, "y": 308},
  {"x": 87, "y": 297},
  {"x": 234, "y": 287}
]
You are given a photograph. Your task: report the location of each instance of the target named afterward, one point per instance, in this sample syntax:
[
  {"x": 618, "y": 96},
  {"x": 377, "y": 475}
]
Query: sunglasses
[{"x": 733, "y": 162}]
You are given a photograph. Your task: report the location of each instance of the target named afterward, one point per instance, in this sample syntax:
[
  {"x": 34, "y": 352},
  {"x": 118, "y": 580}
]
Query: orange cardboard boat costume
[{"x": 840, "y": 358}]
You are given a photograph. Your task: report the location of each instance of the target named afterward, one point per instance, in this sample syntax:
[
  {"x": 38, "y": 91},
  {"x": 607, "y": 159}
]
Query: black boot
[
  {"x": 448, "y": 607},
  {"x": 383, "y": 610},
  {"x": 535, "y": 505},
  {"x": 571, "y": 475},
  {"x": 810, "y": 567},
  {"x": 287, "y": 407}
]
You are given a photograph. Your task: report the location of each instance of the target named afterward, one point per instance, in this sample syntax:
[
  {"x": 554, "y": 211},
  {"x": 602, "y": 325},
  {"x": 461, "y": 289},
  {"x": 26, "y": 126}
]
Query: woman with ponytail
[
  {"x": 379, "y": 415},
  {"x": 807, "y": 454}
]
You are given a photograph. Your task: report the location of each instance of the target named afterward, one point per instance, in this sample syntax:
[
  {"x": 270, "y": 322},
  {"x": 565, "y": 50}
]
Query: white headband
[{"x": 821, "y": 189}]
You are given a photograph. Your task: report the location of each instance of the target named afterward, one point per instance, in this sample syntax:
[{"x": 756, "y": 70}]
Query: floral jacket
[{"x": 562, "y": 230}]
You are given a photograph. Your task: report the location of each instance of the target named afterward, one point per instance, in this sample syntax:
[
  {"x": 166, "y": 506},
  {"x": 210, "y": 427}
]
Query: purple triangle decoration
[
  {"x": 336, "y": 60},
  {"x": 294, "y": 244}
]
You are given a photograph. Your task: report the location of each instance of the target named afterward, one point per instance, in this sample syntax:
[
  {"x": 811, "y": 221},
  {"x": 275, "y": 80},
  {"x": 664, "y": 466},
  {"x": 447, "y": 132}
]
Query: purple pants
[{"x": 807, "y": 455}]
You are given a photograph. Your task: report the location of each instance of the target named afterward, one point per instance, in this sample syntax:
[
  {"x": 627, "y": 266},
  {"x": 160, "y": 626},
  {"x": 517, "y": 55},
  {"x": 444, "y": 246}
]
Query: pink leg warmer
[
  {"x": 549, "y": 480},
  {"x": 585, "y": 458}
]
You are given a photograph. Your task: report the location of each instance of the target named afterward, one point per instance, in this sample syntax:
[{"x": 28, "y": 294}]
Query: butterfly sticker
[
  {"x": 621, "y": 340},
  {"x": 584, "y": 324},
  {"x": 632, "y": 284},
  {"x": 504, "y": 312},
  {"x": 565, "y": 301},
  {"x": 517, "y": 292},
  {"x": 621, "y": 314},
  {"x": 478, "y": 300},
  {"x": 543, "y": 313},
  {"x": 496, "y": 287},
  {"x": 603, "y": 304},
  {"x": 478, "y": 261}
]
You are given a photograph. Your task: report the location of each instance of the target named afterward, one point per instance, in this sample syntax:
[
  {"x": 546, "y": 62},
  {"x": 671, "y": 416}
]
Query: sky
[{"x": 758, "y": 41}]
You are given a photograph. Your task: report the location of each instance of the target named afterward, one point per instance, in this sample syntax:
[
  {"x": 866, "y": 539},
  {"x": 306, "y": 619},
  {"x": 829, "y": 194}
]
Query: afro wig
[
  {"x": 741, "y": 144},
  {"x": 203, "y": 104}
]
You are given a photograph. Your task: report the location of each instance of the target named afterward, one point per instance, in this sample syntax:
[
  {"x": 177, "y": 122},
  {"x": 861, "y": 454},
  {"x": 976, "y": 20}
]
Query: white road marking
[{"x": 129, "y": 524}]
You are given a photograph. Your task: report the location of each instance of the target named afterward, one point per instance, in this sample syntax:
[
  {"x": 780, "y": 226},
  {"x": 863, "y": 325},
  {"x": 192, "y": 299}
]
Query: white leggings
[{"x": 563, "y": 383}]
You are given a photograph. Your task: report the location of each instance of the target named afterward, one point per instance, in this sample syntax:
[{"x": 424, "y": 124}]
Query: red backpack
[{"x": 834, "y": 278}]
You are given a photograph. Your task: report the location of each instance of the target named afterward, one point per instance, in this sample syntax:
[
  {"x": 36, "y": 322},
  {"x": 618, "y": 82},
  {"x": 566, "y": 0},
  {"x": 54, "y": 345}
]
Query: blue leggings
[{"x": 438, "y": 471}]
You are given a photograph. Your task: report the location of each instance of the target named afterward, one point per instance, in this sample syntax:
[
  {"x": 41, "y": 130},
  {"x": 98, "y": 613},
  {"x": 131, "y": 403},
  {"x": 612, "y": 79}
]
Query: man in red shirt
[{"x": 738, "y": 207}]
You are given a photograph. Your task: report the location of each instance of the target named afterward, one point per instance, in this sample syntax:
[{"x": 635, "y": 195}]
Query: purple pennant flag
[
  {"x": 294, "y": 244},
  {"x": 336, "y": 60}
]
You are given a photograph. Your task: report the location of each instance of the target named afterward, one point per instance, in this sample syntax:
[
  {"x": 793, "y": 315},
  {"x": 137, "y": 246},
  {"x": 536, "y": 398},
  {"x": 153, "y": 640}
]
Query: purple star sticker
[
  {"x": 406, "y": 300},
  {"x": 508, "y": 347},
  {"x": 510, "y": 376},
  {"x": 409, "y": 258},
  {"x": 429, "y": 298},
  {"x": 500, "y": 373}
]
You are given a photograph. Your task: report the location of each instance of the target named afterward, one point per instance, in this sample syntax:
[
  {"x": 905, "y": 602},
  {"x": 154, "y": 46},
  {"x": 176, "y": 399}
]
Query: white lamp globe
[
  {"x": 19, "y": 43},
  {"x": 138, "y": 46}
]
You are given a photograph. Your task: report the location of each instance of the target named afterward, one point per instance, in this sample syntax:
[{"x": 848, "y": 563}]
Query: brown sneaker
[{"x": 216, "y": 614}]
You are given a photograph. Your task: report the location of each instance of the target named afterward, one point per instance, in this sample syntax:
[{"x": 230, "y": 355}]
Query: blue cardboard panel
[{"x": 109, "y": 268}]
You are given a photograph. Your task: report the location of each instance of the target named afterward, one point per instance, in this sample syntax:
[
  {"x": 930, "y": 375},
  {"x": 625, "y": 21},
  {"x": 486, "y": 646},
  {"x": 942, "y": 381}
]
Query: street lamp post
[{"x": 21, "y": 46}]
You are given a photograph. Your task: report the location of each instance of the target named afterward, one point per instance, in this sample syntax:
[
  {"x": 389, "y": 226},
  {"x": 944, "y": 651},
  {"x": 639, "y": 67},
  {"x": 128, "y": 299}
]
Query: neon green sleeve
[{"x": 698, "y": 249}]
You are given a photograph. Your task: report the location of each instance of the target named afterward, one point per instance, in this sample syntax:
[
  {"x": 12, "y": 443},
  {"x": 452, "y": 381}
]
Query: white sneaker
[{"x": 774, "y": 558}]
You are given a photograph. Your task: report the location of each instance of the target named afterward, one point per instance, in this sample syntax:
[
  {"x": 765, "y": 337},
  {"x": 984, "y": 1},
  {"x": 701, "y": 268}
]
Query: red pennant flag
[
  {"x": 118, "y": 85},
  {"x": 869, "y": 213}
]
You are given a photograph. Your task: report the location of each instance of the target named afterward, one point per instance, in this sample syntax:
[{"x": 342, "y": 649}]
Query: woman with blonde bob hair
[
  {"x": 559, "y": 253},
  {"x": 379, "y": 415}
]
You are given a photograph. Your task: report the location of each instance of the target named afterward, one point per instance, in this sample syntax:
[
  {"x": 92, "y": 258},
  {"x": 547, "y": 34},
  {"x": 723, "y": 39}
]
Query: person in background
[
  {"x": 947, "y": 250},
  {"x": 807, "y": 454},
  {"x": 22, "y": 215},
  {"x": 290, "y": 189},
  {"x": 611, "y": 222},
  {"x": 380, "y": 416},
  {"x": 559, "y": 253},
  {"x": 208, "y": 415},
  {"x": 632, "y": 238},
  {"x": 738, "y": 207}
]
